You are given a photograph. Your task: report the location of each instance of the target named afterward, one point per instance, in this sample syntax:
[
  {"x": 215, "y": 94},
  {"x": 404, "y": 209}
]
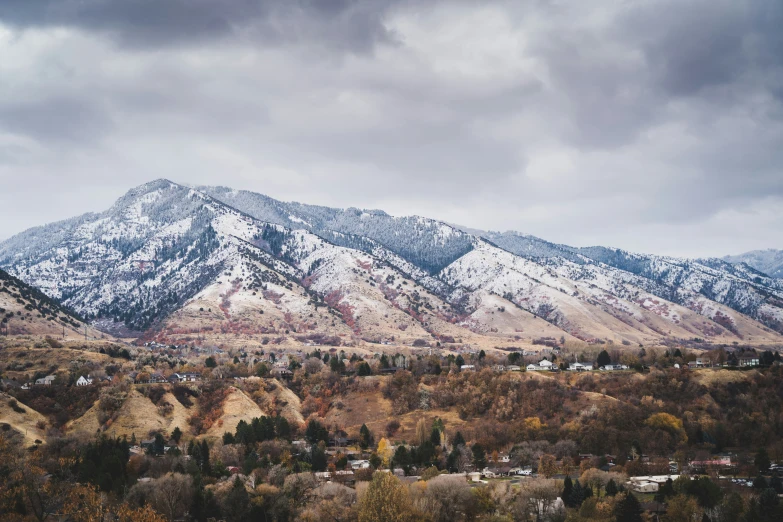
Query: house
[
  {"x": 722, "y": 461},
  {"x": 514, "y": 368},
  {"x": 534, "y": 368},
  {"x": 468, "y": 367},
  {"x": 577, "y": 367},
  {"x": 184, "y": 377},
  {"x": 748, "y": 360},
  {"x": 45, "y": 381},
  {"x": 84, "y": 381},
  {"x": 282, "y": 372},
  {"x": 644, "y": 486},
  {"x": 545, "y": 364}
]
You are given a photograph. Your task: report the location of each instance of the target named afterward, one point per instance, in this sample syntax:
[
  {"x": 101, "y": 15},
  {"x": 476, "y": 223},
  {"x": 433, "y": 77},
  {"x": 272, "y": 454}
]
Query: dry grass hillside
[
  {"x": 25, "y": 310},
  {"x": 21, "y": 357},
  {"x": 26, "y": 422}
]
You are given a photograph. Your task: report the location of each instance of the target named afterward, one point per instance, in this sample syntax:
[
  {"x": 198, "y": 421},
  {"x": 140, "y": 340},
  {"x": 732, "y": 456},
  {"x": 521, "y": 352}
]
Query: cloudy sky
[{"x": 652, "y": 125}]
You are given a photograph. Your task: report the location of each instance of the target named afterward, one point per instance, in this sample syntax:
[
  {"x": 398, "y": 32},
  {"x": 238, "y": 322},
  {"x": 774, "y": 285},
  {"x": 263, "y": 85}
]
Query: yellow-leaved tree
[
  {"x": 385, "y": 452},
  {"x": 386, "y": 500},
  {"x": 669, "y": 423}
]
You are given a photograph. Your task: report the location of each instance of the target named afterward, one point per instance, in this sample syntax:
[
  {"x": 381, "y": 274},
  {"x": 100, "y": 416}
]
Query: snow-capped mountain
[
  {"x": 768, "y": 261},
  {"x": 204, "y": 264}
]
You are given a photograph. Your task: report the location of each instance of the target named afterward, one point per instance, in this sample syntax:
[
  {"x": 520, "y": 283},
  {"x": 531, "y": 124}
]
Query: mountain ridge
[{"x": 163, "y": 247}]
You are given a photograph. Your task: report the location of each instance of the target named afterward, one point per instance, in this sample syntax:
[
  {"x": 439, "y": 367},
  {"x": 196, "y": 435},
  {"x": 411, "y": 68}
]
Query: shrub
[{"x": 15, "y": 406}]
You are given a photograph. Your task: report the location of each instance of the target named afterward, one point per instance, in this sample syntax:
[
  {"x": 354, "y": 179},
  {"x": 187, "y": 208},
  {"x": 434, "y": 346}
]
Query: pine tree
[
  {"x": 568, "y": 487},
  {"x": 479, "y": 456},
  {"x": 365, "y": 437},
  {"x": 603, "y": 358},
  {"x": 611, "y": 488},
  {"x": 628, "y": 509},
  {"x": 577, "y": 495}
]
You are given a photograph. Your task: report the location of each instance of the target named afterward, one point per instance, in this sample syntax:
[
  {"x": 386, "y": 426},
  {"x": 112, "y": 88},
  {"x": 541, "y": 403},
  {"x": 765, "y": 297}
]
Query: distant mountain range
[
  {"x": 768, "y": 261},
  {"x": 212, "y": 264}
]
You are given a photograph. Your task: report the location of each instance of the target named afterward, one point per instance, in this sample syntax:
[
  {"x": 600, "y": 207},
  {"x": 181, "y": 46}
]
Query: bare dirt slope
[{"x": 236, "y": 407}]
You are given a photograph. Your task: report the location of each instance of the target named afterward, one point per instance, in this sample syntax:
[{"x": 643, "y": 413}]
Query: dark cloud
[
  {"x": 578, "y": 122},
  {"x": 353, "y": 25},
  {"x": 58, "y": 119}
]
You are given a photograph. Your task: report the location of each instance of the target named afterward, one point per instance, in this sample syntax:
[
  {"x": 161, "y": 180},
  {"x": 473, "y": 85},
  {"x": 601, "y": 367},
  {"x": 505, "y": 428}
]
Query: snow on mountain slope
[
  {"x": 166, "y": 250},
  {"x": 208, "y": 265},
  {"x": 687, "y": 282},
  {"x": 769, "y": 262},
  {"x": 426, "y": 243},
  {"x": 588, "y": 300},
  {"x": 28, "y": 311}
]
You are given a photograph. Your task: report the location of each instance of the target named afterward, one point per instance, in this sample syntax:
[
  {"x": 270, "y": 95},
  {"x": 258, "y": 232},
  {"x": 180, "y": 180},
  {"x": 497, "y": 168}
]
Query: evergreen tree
[
  {"x": 176, "y": 435},
  {"x": 206, "y": 467},
  {"x": 628, "y": 509},
  {"x": 365, "y": 437},
  {"x": 459, "y": 440},
  {"x": 577, "y": 495},
  {"x": 603, "y": 358},
  {"x": 317, "y": 458},
  {"x": 761, "y": 460},
  {"x": 237, "y": 502},
  {"x": 611, "y": 488},
  {"x": 568, "y": 487},
  {"x": 316, "y": 432},
  {"x": 402, "y": 458},
  {"x": 435, "y": 436},
  {"x": 479, "y": 456},
  {"x": 158, "y": 446}
]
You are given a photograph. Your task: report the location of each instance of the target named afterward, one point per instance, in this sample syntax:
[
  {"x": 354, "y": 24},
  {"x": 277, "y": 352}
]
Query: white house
[
  {"x": 644, "y": 486},
  {"x": 545, "y": 364},
  {"x": 577, "y": 367},
  {"x": 184, "y": 377},
  {"x": 45, "y": 381},
  {"x": 534, "y": 368},
  {"x": 514, "y": 368},
  {"x": 468, "y": 367},
  {"x": 84, "y": 381}
]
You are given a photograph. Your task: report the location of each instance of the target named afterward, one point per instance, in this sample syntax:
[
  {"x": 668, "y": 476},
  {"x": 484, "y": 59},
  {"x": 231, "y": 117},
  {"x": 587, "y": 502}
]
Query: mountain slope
[
  {"x": 212, "y": 266},
  {"x": 770, "y": 261},
  {"x": 25, "y": 310},
  {"x": 696, "y": 284},
  {"x": 426, "y": 243}
]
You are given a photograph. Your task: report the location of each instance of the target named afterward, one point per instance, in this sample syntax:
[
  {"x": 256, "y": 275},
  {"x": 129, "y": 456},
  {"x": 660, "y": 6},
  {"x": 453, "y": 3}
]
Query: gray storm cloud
[{"x": 653, "y": 125}]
